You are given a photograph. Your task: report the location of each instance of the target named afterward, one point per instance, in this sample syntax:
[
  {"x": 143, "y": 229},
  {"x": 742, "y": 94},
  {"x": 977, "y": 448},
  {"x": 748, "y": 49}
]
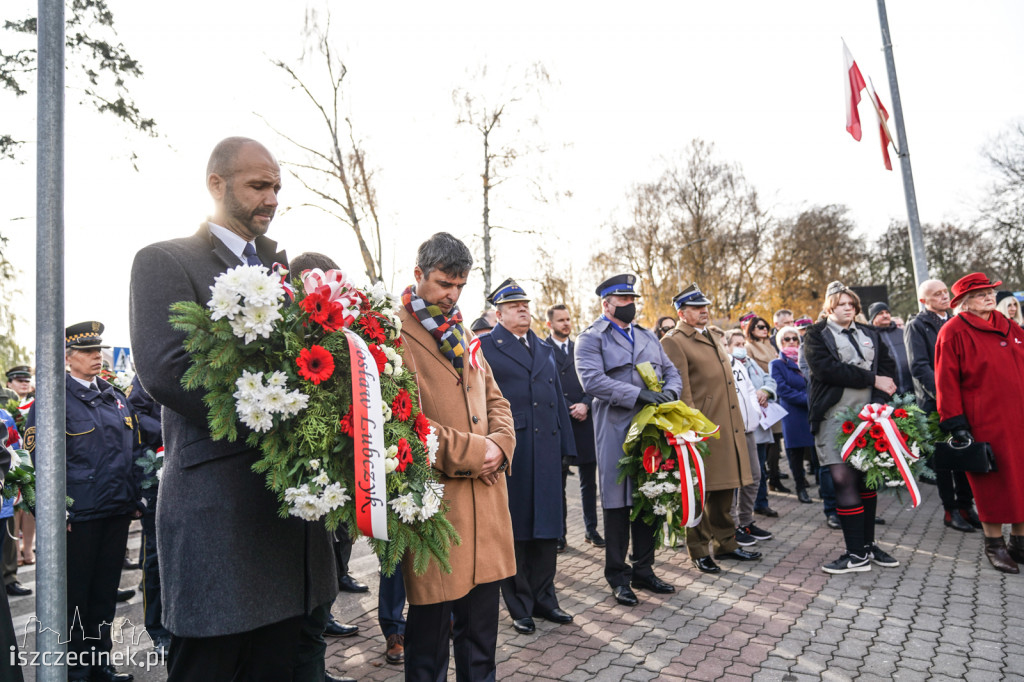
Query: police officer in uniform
[
  {"x": 103, "y": 442},
  {"x": 525, "y": 371},
  {"x": 607, "y": 354}
]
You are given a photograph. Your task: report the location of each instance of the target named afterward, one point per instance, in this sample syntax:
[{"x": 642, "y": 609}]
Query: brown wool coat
[
  {"x": 708, "y": 385},
  {"x": 465, "y": 411}
]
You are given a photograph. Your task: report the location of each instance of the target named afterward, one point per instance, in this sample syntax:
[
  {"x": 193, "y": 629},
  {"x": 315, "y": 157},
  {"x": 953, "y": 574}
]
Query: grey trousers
[{"x": 743, "y": 505}]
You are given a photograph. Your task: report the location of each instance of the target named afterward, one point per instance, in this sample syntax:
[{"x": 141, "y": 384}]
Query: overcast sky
[{"x": 763, "y": 81}]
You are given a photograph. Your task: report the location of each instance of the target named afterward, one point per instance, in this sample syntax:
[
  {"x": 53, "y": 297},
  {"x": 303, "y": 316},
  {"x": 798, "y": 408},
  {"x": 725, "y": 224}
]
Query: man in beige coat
[
  {"x": 708, "y": 386},
  {"x": 476, "y": 441}
]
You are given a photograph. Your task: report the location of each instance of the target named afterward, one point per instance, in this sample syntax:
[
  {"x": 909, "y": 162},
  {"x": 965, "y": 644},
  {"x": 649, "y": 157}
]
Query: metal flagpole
[
  {"x": 50, "y": 454},
  {"x": 917, "y": 251}
]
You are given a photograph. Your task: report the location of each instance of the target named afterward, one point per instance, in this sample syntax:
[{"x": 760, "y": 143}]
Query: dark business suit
[
  {"x": 582, "y": 433},
  {"x": 237, "y": 580},
  {"x": 528, "y": 379}
]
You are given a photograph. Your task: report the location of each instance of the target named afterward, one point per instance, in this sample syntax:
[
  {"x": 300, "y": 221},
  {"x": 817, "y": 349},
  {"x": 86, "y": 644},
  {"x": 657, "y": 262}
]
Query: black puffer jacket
[{"x": 829, "y": 375}]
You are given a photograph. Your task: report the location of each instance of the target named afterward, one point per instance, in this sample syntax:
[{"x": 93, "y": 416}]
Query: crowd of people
[{"x": 235, "y": 592}]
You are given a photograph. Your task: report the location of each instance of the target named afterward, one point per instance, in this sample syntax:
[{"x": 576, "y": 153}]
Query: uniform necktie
[
  {"x": 522, "y": 340},
  {"x": 853, "y": 342},
  {"x": 250, "y": 254},
  {"x": 94, "y": 387},
  {"x": 707, "y": 335}
]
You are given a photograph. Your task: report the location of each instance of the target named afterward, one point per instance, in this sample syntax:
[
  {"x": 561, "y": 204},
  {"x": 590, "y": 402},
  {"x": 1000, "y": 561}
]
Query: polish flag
[
  {"x": 883, "y": 129},
  {"x": 854, "y": 84}
]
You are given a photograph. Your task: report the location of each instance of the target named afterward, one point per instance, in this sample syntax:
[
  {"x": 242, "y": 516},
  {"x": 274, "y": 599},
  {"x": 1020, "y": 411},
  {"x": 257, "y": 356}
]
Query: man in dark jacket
[
  {"x": 891, "y": 334},
  {"x": 919, "y": 336},
  {"x": 525, "y": 371},
  {"x": 578, "y": 402},
  {"x": 237, "y": 580}
]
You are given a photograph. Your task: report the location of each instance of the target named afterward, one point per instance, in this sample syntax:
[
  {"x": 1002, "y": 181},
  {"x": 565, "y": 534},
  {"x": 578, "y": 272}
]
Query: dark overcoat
[
  {"x": 572, "y": 391},
  {"x": 979, "y": 373},
  {"x": 530, "y": 384},
  {"x": 829, "y": 376},
  {"x": 606, "y": 364},
  {"x": 791, "y": 387},
  {"x": 102, "y": 441},
  {"x": 920, "y": 336},
  {"x": 228, "y": 562}
]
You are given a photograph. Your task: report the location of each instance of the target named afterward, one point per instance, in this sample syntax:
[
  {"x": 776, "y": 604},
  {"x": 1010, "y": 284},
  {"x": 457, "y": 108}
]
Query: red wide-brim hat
[{"x": 969, "y": 283}]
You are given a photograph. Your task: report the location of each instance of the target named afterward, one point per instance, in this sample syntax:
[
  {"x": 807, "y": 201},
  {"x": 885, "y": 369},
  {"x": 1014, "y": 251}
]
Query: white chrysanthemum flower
[
  {"x": 335, "y": 496},
  {"x": 386, "y": 409},
  {"x": 405, "y": 507},
  {"x": 223, "y": 303},
  {"x": 292, "y": 494},
  {"x": 295, "y": 402},
  {"x": 314, "y": 464},
  {"x": 241, "y": 330},
  {"x": 258, "y": 420},
  {"x": 398, "y": 371},
  {"x": 677, "y": 475},
  {"x": 894, "y": 484},
  {"x": 650, "y": 489},
  {"x": 322, "y": 479},
  {"x": 263, "y": 291},
  {"x": 260, "y": 319},
  {"x": 431, "y": 503},
  {"x": 249, "y": 384},
  {"x": 662, "y": 475},
  {"x": 391, "y": 452},
  {"x": 390, "y": 465},
  {"x": 389, "y": 370},
  {"x": 275, "y": 398},
  {"x": 432, "y": 444},
  {"x": 277, "y": 379},
  {"x": 307, "y": 508},
  {"x": 660, "y": 509}
]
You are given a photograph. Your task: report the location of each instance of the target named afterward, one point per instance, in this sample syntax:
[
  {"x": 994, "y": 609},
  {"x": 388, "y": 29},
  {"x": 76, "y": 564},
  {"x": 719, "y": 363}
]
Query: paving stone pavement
[{"x": 943, "y": 614}]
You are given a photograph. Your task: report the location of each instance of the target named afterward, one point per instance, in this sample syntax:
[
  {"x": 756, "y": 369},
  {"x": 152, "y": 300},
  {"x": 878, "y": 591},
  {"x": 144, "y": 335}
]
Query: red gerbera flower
[
  {"x": 315, "y": 364},
  {"x": 398, "y": 342},
  {"x": 899, "y": 413},
  {"x": 401, "y": 406},
  {"x": 404, "y": 454},
  {"x": 862, "y": 442},
  {"x": 372, "y": 329},
  {"x": 422, "y": 428},
  {"x": 336, "y": 318},
  {"x": 669, "y": 465},
  {"x": 378, "y": 354},
  {"x": 876, "y": 431},
  {"x": 318, "y": 306},
  {"x": 364, "y": 303},
  {"x": 346, "y": 424},
  {"x": 882, "y": 445},
  {"x": 848, "y": 427}
]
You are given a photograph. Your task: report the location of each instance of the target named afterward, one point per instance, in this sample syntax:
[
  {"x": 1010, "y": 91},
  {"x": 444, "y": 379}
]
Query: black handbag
[{"x": 971, "y": 456}]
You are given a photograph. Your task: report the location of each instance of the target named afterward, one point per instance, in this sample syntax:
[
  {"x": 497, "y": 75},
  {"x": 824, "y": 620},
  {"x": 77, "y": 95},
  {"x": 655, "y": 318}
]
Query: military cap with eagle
[
  {"x": 691, "y": 295},
  {"x": 619, "y": 285},
  {"x": 84, "y": 336},
  {"x": 507, "y": 292}
]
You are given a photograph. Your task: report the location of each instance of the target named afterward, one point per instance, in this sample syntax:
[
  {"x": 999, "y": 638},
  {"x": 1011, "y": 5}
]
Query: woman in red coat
[{"x": 979, "y": 376}]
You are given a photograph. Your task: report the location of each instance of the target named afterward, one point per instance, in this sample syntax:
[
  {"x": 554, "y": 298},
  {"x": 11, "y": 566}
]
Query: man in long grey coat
[
  {"x": 607, "y": 354},
  {"x": 237, "y": 580}
]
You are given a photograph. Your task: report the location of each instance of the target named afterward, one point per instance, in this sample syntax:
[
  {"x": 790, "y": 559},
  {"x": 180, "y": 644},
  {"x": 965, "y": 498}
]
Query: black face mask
[{"x": 625, "y": 313}]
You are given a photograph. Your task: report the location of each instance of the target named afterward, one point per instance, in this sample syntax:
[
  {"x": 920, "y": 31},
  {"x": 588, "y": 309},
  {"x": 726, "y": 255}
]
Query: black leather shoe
[
  {"x": 653, "y": 584},
  {"x": 336, "y": 629},
  {"x": 16, "y": 589},
  {"x": 595, "y": 539},
  {"x": 556, "y": 616},
  {"x": 783, "y": 475},
  {"x": 331, "y": 678},
  {"x": 707, "y": 565},
  {"x": 125, "y": 595},
  {"x": 879, "y": 521},
  {"x": 625, "y": 596},
  {"x": 560, "y": 545},
  {"x": 525, "y": 626},
  {"x": 347, "y": 583},
  {"x": 971, "y": 516},
  {"x": 832, "y": 521},
  {"x": 956, "y": 522},
  {"x": 766, "y": 511},
  {"x": 804, "y": 497},
  {"x": 130, "y": 565},
  {"x": 777, "y": 487},
  {"x": 740, "y": 555},
  {"x": 108, "y": 673}
]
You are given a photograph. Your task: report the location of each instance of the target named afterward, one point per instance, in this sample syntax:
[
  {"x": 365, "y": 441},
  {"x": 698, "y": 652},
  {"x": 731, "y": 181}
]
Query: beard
[{"x": 238, "y": 212}]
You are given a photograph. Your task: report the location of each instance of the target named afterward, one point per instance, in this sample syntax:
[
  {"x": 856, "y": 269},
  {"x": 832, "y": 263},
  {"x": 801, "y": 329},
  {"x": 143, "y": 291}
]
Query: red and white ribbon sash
[
  {"x": 691, "y": 472},
  {"x": 876, "y": 413},
  {"x": 368, "y": 437},
  {"x": 474, "y": 349}
]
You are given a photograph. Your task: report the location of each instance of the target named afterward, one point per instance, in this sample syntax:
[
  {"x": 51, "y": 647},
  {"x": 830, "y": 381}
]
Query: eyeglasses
[
  {"x": 791, "y": 338},
  {"x": 668, "y": 329},
  {"x": 760, "y": 326}
]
